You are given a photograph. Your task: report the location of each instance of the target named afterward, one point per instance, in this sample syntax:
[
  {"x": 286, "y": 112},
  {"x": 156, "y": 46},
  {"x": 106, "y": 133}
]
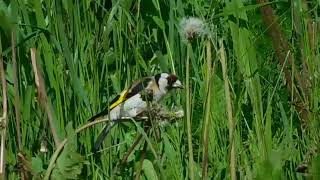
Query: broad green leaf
[
  {"x": 6, "y": 20},
  {"x": 37, "y": 165},
  {"x": 149, "y": 170},
  {"x": 242, "y": 9}
]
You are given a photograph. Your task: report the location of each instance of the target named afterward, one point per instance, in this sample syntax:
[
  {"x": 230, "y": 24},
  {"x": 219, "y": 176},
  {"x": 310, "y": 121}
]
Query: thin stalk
[
  {"x": 209, "y": 79},
  {"x": 143, "y": 155},
  {"x": 16, "y": 95},
  {"x": 16, "y": 90},
  {"x": 130, "y": 150},
  {"x": 231, "y": 122},
  {"x": 169, "y": 52},
  {"x": 42, "y": 95},
  {"x": 307, "y": 51},
  {"x": 188, "y": 112},
  {"x": 3, "y": 119}
]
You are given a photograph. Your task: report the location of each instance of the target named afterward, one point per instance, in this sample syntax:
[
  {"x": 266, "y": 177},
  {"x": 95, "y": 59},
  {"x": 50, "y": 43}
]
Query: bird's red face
[
  {"x": 168, "y": 81},
  {"x": 174, "y": 82}
]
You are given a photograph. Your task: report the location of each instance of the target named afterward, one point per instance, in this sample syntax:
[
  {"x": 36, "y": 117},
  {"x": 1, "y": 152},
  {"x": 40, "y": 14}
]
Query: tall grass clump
[
  {"x": 231, "y": 121},
  {"x": 210, "y": 73},
  {"x": 190, "y": 29}
]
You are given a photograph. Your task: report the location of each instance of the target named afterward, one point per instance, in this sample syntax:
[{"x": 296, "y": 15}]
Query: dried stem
[
  {"x": 42, "y": 96},
  {"x": 281, "y": 46},
  {"x": 136, "y": 142},
  {"x": 25, "y": 166},
  {"x": 3, "y": 119},
  {"x": 231, "y": 122}
]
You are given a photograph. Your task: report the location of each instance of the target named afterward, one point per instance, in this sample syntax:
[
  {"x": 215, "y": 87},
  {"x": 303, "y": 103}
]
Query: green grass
[{"x": 91, "y": 50}]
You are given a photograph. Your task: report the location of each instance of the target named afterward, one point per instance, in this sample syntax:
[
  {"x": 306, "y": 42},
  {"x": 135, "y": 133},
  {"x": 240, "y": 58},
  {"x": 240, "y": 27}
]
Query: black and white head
[{"x": 167, "y": 82}]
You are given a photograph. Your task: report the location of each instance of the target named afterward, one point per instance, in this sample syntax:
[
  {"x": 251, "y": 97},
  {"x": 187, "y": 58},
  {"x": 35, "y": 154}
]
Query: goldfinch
[{"x": 134, "y": 101}]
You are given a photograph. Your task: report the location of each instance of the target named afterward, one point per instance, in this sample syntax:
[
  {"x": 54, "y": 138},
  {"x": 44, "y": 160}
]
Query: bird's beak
[{"x": 177, "y": 84}]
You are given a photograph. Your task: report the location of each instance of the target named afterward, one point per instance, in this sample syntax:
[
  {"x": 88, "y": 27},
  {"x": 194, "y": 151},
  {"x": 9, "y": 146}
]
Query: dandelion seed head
[{"x": 191, "y": 28}]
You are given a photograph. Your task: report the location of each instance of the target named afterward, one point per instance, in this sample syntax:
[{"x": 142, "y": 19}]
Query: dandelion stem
[{"x": 188, "y": 112}]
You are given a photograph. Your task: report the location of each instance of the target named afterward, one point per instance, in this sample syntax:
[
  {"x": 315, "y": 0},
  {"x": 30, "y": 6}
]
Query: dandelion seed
[{"x": 191, "y": 28}]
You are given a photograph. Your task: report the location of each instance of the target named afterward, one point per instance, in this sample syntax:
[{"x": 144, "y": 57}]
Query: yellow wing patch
[{"x": 121, "y": 98}]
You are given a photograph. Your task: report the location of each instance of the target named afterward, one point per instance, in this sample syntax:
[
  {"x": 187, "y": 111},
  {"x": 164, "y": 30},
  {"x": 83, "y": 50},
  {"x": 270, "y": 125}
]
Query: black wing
[{"x": 134, "y": 89}]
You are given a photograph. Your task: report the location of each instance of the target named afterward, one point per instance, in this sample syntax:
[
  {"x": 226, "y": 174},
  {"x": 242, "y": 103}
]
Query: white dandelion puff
[{"x": 191, "y": 28}]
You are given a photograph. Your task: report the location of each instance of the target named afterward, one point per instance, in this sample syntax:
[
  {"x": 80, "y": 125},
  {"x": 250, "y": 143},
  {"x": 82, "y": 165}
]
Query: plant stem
[
  {"x": 16, "y": 90},
  {"x": 143, "y": 155},
  {"x": 231, "y": 122},
  {"x": 130, "y": 150},
  {"x": 209, "y": 79},
  {"x": 188, "y": 112},
  {"x": 3, "y": 119},
  {"x": 42, "y": 95}
]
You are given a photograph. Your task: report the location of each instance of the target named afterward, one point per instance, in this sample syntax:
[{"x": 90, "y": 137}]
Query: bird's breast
[{"x": 132, "y": 107}]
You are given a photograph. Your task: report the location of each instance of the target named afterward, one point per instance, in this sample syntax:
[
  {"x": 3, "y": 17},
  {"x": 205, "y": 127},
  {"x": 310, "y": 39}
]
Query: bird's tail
[
  {"x": 99, "y": 115},
  {"x": 102, "y": 136}
]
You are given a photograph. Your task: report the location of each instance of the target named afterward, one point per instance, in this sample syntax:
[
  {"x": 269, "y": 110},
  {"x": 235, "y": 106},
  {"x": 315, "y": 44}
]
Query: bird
[{"x": 134, "y": 100}]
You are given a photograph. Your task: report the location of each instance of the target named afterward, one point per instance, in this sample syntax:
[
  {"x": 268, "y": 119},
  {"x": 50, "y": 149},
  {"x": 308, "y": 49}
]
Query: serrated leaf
[{"x": 69, "y": 164}]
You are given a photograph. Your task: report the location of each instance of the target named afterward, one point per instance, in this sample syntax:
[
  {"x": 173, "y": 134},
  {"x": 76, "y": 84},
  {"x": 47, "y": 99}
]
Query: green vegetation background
[{"x": 90, "y": 50}]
